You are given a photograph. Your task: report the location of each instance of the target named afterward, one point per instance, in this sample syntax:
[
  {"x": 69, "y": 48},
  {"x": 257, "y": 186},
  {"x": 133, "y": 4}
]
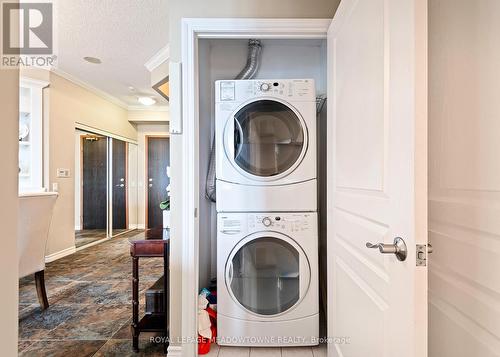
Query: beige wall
[
  {"x": 464, "y": 178},
  {"x": 9, "y": 102},
  {"x": 9, "y": 147},
  {"x": 149, "y": 116},
  {"x": 216, "y": 8},
  {"x": 66, "y": 105},
  {"x": 70, "y": 104}
]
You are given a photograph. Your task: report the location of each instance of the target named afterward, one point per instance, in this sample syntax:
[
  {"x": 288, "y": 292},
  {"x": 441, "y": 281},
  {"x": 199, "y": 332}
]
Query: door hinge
[
  {"x": 421, "y": 255},
  {"x": 196, "y": 213}
]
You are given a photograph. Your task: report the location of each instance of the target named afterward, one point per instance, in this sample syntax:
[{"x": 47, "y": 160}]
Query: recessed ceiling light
[
  {"x": 93, "y": 60},
  {"x": 146, "y": 100}
]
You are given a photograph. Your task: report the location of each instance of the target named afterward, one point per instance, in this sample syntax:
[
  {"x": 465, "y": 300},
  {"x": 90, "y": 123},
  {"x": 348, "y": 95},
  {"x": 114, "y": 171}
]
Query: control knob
[
  {"x": 264, "y": 87},
  {"x": 266, "y": 221}
]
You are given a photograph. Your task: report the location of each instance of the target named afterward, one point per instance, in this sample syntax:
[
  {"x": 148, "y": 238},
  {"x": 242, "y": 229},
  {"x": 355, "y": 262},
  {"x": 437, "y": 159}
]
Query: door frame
[
  {"x": 186, "y": 228},
  {"x": 146, "y": 173}
]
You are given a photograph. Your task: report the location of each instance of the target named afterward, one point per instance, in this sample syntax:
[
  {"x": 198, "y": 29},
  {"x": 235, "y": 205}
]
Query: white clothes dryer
[{"x": 266, "y": 145}]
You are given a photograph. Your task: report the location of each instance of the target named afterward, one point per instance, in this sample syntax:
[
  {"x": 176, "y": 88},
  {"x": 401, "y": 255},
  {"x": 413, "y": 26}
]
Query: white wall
[
  {"x": 464, "y": 181},
  {"x": 144, "y": 130},
  {"x": 280, "y": 59}
]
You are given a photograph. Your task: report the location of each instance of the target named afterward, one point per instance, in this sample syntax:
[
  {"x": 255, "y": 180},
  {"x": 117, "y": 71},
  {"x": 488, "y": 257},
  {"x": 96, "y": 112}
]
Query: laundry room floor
[{"x": 317, "y": 351}]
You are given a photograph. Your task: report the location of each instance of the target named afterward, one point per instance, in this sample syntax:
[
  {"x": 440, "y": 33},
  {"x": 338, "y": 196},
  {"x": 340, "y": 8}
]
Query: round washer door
[
  {"x": 266, "y": 140},
  {"x": 267, "y": 274}
]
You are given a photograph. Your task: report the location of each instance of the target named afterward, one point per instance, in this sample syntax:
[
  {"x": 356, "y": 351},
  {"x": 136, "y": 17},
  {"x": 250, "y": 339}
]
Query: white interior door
[{"x": 377, "y": 178}]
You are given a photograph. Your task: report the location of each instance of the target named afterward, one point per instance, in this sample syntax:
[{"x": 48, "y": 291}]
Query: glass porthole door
[
  {"x": 269, "y": 139},
  {"x": 266, "y": 275}
]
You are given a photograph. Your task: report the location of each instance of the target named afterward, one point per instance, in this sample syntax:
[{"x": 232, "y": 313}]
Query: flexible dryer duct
[
  {"x": 249, "y": 72},
  {"x": 253, "y": 60}
]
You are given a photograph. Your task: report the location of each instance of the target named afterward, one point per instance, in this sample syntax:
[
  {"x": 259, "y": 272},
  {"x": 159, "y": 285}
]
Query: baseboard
[
  {"x": 133, "y": 226},
  {"x": 174, "y": 351},
  {"x": 78, "y": 228},
  {"x": 61, "y": 254},
  {"x": 141, "y": 226}
]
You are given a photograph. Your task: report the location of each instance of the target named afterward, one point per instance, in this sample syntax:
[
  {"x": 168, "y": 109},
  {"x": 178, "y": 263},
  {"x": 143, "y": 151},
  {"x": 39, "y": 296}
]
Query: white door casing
[
  {"x": 185, "y": 222},
  {"x": 377, "y": 177}
]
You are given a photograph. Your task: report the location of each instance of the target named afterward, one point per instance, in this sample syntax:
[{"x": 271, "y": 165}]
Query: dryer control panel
[{"x": 287, "y": 89}]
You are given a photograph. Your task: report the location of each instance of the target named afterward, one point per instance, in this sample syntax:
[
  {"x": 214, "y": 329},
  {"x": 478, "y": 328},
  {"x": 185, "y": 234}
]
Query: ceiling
[{"x": 123, "y": 34}]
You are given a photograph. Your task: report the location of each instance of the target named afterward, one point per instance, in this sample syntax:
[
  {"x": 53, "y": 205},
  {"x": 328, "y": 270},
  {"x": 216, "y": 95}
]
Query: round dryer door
[
  {"x": 270, "y": 139},
  {"x": 267, "y": 275}
]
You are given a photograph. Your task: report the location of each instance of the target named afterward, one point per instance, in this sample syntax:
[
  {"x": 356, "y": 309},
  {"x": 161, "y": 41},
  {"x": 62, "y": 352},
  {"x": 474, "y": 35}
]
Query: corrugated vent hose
[{"x": 249, "y": 72}]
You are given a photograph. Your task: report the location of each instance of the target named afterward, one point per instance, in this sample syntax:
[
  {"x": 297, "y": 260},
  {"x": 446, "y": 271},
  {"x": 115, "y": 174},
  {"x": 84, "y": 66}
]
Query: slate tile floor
[
  {"x": 87, "y": 236},
  {"x": 89, "y": 294}
]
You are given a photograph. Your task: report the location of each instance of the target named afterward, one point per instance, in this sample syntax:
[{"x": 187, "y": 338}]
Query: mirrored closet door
[
  {"x": 105, "y": 187},
  {"x": 91, "y": 156},
  {"x": 123, "y": 187}
]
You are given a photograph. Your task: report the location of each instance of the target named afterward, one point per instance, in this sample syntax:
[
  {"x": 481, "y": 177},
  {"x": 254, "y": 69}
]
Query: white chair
[{"x": 35, "y": 214}]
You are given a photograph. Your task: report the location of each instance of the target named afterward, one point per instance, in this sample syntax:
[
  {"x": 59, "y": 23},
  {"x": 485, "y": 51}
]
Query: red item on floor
[{"x": 204, "y": 343}]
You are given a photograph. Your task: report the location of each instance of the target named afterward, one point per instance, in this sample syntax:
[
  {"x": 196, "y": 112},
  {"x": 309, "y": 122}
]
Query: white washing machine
[
  {"x": 266, "y": 145},
  {"x": 267, "y": 274}
]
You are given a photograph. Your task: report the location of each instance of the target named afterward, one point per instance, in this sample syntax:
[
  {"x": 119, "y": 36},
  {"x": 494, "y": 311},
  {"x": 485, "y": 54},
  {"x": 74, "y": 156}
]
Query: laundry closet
[{"x": 300, "y": 260}]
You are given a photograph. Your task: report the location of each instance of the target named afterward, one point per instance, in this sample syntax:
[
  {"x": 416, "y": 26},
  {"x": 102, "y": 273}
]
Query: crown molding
[
  {"x": 33, "y": 82},
  {"x": 105, "y": 95},
  {"x": 160, "y": 57},
  {"x": 89, "y": 87}
]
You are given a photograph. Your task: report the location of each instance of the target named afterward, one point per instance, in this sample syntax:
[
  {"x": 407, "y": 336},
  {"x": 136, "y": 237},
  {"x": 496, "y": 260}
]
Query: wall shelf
[{"x": 31, "y": 146}]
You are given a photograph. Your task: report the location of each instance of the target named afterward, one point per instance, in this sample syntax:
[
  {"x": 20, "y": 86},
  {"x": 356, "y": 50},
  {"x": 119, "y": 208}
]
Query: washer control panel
[
  {"x": 287, "y": 223},
  {"x": 242, "y": 224}
]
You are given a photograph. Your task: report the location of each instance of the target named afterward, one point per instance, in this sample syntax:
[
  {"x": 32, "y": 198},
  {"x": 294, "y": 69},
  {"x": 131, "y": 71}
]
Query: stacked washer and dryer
[{"x": 267, "y": 230}]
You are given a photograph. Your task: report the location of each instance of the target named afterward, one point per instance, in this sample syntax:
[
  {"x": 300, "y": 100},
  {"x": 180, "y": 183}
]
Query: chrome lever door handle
[{"x": 398, "y": 248}]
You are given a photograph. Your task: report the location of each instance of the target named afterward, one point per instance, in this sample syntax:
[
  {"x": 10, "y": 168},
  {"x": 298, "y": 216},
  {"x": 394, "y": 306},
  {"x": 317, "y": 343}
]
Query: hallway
[{"x": 89, "y": 294}]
